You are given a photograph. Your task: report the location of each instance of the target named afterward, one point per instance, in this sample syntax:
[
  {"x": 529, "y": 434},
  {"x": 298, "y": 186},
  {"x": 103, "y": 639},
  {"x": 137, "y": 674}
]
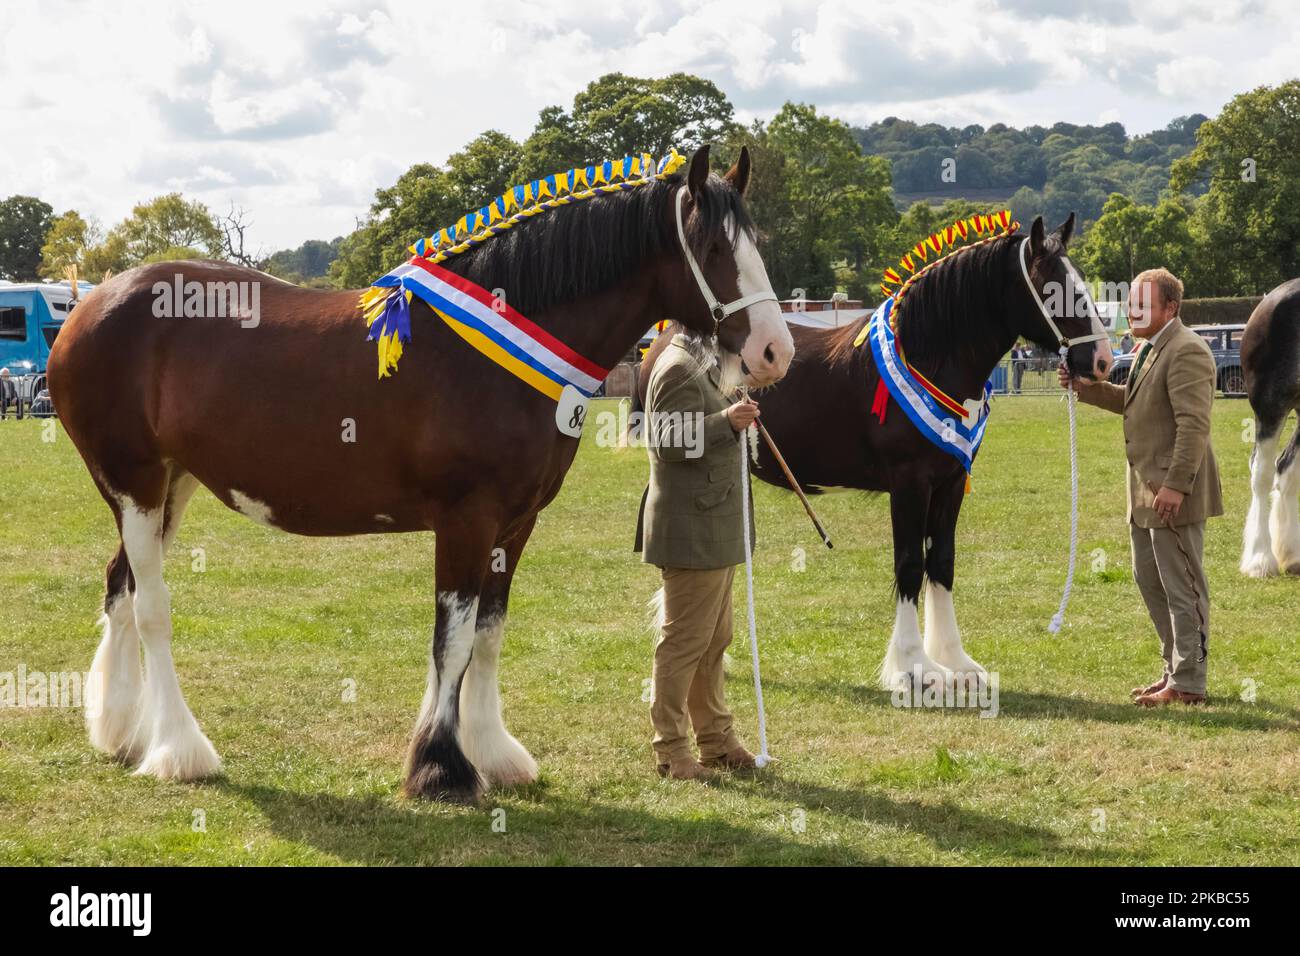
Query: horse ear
[
  {"x": 699, "y": 171},
  {"x": 1065, "y": 230},
  {"x": 1037, "y": 236},
  {"x": 738, "y": 175}
]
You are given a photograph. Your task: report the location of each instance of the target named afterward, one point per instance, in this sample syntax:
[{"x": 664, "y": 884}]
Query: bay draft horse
[
  {"x": 1270, "y": 359},
  {"x": 955, "y": 324},
  {"x": 450, "y": 444}
]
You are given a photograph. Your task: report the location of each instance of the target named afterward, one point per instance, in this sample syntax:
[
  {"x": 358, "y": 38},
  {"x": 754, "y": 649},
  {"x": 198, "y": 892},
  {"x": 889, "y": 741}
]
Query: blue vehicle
[{"x": 31, "y": 314}]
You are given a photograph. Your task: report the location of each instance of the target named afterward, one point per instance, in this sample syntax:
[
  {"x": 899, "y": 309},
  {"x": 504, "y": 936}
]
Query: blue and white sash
[{"x": 957, "y": 434}]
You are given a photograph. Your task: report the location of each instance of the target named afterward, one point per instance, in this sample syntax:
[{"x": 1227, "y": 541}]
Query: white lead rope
[
  {"x": 763, "y": 757},
  {"x": 1059, "y": 618}
]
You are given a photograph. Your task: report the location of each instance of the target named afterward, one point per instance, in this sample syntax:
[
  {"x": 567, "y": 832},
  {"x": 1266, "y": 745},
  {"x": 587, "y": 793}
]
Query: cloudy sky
[{"x": 298, "y": 111}]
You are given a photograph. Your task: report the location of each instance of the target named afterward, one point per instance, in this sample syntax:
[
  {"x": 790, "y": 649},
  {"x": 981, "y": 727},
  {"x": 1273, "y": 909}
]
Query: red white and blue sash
[
  {"x": 487, "y": 323},
  {"x": 957, "y": 428}
]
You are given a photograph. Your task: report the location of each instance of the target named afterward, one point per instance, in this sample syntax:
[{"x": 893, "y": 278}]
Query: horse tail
[{"x": 655, "y": 616}]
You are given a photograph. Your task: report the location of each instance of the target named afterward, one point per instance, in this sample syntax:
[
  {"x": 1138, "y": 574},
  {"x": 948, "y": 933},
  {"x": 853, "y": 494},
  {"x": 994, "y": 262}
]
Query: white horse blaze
[
  {"x": 1257, "y": 559},
  {"x": 942, "y": 636},
  {"x": 767, "y": 325},
  {"x": 501, "y": 758},
  {"x": 174, "y": 747}
]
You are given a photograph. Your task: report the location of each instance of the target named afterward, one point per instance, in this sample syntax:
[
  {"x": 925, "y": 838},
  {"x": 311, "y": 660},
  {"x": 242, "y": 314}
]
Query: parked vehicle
[
  {"x": 1225, "y": 344},
  {"x": 31, "y": 314}
]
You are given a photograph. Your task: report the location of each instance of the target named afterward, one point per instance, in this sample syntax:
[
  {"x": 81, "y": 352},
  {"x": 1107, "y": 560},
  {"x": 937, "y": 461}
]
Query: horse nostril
[{"x": 769, "y": 355}]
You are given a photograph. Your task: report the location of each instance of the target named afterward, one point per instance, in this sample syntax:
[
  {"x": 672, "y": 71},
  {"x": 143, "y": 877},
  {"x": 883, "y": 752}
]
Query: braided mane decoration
[
  {"x": 385, "y": 305},
  {"x": 996, "y": 225}
]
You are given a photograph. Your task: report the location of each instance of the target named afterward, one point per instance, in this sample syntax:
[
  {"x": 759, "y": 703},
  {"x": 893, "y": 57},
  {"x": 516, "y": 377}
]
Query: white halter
[
  {"x": 718, "y": 310},
  {"x": 1042, "y": 307}
]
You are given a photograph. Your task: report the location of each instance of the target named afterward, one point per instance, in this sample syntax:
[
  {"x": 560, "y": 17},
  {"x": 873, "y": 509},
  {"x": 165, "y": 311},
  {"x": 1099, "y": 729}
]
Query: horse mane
[
  {"x": 583, "y": 248},
  {"x": 942, "y": 315}
]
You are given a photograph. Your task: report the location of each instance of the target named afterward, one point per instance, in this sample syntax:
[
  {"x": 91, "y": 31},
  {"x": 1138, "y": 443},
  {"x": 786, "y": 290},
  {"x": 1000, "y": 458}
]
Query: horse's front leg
[
  {"x": 501, "y": 759},
  {"x": 906, "y": 664},
  {"x": 942, "y": 636},
  {"x": 436, "y": 766},
  {"x": 1257, "y": 557}
]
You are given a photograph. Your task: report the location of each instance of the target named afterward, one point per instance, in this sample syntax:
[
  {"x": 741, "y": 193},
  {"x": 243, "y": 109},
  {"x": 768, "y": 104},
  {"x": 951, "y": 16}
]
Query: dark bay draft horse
[
  {"x": 956, "y": 323},
  {"x": 1270, "y": 358},
  {"x": 450, "y": 444}
]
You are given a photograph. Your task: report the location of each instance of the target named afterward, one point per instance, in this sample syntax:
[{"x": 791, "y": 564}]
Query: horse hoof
[
  {"x": 1259, "y": 566},
  {"x": 434, "y": 783}
]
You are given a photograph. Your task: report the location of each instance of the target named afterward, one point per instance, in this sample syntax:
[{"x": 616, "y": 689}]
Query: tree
[
  {"x": 65, "y": 245},
  {"x": 421, "y": 201},
  {"x": 24, "y": 222},
  {"x": 483, "y": 170},
  {"x": 618, "y": 115},
  {"x": 1117, "y": 246},
  {"x": 839, "y": 202},
  {"x": 167, "y": 224},
  {"x": 1249, "y": 158}
]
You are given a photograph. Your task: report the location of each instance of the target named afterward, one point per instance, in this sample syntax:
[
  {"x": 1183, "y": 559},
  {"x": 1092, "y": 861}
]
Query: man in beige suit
[
  {"x": 690, "y": 525},
  {"x": 1173, "y": 478}
]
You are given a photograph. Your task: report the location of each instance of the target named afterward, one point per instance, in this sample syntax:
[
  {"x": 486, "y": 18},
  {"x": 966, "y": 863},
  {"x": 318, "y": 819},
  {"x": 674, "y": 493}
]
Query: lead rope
[
  {"x": 1059, "y": 617},
  {"x": 763, "y": 757}
]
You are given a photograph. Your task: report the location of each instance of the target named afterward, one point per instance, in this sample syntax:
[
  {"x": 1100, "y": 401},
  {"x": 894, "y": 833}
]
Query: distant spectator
[
  {"x": 1126, "y": 343},
  {"x": 7, "y": 391}
]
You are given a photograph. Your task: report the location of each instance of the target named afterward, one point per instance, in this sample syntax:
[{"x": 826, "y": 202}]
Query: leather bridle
[
  {"x": 1065, "y": 343},
  {"x": 719, "y": 310}
]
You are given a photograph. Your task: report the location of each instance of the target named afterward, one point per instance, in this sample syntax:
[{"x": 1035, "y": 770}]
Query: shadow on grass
[
  {"x": 945, "y": 824},
  {"x": 1229, "y": 713},
  {"x": 542, "y": 828}
]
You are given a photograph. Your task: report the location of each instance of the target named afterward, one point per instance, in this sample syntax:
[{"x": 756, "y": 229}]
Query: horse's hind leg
[
  {"x": 1257, "y": 559},
  {"x": 174, "y": 748},
  {"x": 501, "y": 758},
  {"x": 1284, "y": 522},
  {"x": 115, "y": 672},
  {"x": 114, "y": 723}
]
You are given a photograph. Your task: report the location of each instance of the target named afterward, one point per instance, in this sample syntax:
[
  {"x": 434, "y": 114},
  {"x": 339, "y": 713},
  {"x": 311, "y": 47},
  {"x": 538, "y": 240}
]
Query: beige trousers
[
  {"x": 1172, "y": 581},
  {"x": 688, "y": 674}
]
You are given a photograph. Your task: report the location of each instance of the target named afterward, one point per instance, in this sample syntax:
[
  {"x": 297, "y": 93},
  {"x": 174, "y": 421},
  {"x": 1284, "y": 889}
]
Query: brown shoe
[
  {"x": 1137, "y": 692},
  {"x": 685, "y": 768},
  {"x": 736, "y": 759},
  {"x": 1168, "y": 695}
]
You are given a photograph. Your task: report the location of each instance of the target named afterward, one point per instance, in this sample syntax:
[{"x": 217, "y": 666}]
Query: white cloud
[{"x": 299, "y": 111}]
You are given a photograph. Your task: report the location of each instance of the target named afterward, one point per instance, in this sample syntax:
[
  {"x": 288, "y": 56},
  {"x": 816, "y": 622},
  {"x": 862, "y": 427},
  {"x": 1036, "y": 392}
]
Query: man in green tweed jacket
[{"x": 690, "y": 526}]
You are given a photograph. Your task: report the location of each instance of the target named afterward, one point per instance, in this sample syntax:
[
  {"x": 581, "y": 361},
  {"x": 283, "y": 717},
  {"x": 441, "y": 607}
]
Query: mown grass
[{"x": 268, "y": 635}]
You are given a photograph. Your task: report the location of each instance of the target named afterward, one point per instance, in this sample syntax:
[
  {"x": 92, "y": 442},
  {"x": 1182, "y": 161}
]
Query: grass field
[{"x": 273, "y": 632}]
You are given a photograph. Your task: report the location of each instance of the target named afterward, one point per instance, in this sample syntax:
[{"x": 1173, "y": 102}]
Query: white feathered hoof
[
  {"x": 186, "y": 757},
  {"x": 1259, "y": 565},
  {"x": 503, "y": 762},
  {"x": 923, "y": 674}
]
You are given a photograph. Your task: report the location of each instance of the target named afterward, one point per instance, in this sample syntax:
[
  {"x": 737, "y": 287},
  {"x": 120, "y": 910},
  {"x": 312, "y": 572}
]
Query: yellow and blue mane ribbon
[{"x": 499, "y": 333}]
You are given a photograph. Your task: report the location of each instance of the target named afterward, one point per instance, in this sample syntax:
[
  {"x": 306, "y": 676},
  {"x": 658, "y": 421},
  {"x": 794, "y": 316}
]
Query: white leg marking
[
  {"x": 501, "y": 758},
  {"x": 942, "y": 636},
  {"x": 1257, "y": 558},
  {"x": 905, "y": 657},
  {"x": 1285, "y": 519},
  {"x": 176, "y": 748},
  {"x": 114, "y": 722},
  {"x": 458, "y": 646}
]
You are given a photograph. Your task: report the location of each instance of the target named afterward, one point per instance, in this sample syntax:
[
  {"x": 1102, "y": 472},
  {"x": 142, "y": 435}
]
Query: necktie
[{"x": 1137, "y": 365}]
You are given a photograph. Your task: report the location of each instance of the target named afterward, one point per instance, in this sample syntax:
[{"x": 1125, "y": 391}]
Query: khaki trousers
[
  {"x": 1172, "y": 581},
  {"x": 688, "y": 674}
]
